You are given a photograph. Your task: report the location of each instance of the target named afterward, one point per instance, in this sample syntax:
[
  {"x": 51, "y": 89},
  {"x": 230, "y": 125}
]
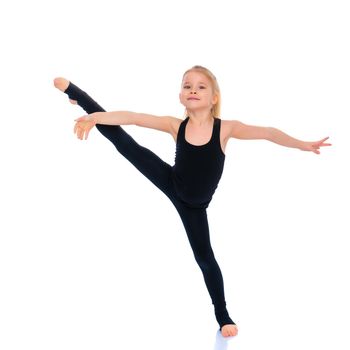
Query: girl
[{"x": 190, "y": 183}]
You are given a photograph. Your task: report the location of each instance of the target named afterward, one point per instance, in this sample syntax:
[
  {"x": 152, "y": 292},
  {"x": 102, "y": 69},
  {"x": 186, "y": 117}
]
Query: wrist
[
  {"x": 95, "y": 117},
  {"x": 301, "y": 145}
]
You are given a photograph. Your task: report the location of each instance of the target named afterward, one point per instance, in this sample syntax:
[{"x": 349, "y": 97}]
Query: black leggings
[{"x": 159, "y": 173}]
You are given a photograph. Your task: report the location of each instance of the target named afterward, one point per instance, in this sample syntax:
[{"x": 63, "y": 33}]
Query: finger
[
  {"x": 320, "y": 141},
  {"x": 75, "y": 128},
  {"x": 323, "y": 140}
]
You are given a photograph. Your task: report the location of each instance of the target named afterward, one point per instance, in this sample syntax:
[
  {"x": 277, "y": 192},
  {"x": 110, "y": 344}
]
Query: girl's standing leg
[{"x": 196, "y": 225}]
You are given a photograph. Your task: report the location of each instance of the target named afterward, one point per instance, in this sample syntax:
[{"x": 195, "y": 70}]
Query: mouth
[{"x": 193, "y": 98}]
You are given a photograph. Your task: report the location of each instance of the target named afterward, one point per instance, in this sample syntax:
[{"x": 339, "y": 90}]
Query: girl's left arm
[{"x": 243, "y": 131}]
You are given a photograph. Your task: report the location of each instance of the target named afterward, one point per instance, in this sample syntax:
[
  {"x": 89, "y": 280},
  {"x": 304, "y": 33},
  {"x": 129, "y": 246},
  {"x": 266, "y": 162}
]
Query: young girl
[{"x": 190, "y": 183}]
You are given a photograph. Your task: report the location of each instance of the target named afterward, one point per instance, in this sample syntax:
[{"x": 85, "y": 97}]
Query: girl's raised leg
[{"x": 147, "y": 162}]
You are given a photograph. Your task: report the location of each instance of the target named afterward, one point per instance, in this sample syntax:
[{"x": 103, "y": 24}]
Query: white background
[{"x": 93, "y": 256}]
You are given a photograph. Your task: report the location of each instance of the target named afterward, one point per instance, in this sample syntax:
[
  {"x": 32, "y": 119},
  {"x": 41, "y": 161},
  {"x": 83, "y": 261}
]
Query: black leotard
[{"x": 198, "y": 168}]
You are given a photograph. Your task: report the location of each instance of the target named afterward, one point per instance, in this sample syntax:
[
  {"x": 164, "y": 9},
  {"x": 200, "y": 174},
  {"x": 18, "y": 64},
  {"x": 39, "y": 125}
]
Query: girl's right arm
[{"x": 166, "y": 124}]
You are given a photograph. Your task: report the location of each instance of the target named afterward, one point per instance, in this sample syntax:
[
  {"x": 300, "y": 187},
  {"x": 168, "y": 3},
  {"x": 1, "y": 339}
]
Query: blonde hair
[{"x": 215, "y": 110}]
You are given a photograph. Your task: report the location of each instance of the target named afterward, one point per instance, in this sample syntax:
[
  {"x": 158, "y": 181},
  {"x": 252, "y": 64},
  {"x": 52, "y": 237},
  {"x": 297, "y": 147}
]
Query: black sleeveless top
[{"x": 197, "y": 169}]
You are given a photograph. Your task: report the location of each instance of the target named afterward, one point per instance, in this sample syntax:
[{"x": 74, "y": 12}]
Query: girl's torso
[{"x": 199, "y": 136}]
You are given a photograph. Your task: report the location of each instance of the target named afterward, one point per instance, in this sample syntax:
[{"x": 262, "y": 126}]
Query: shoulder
[
  {"x": 174, "y": 121},
  {"x": 230, "y": 123},
  {"x": 175, "y": 125},
  {"x": 228, "y": 127},
  {"x": 239, "y": 130}
]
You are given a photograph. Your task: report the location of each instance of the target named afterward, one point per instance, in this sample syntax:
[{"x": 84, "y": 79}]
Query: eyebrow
[{"x": 200, "y": 82}]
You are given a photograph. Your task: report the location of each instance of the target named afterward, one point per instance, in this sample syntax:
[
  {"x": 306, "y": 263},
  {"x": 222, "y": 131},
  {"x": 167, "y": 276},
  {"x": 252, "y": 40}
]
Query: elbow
[
  {"x": 134, "y": 118},
  {"x": 269, "y": 133}
]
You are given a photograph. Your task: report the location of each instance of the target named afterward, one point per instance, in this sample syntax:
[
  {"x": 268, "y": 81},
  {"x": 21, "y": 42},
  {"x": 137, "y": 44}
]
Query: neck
[{"x": 200, "y": 117}]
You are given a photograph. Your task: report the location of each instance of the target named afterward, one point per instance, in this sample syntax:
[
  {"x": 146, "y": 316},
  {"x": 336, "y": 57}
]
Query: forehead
[{"x": 195, "y": 77}]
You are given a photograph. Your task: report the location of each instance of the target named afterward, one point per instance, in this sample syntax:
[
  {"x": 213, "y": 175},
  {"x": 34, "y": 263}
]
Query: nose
[{"x": 193, "y": 92}]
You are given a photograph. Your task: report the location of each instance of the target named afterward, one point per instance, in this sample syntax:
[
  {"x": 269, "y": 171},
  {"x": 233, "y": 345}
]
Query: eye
[{"x": 187, "y": 87}]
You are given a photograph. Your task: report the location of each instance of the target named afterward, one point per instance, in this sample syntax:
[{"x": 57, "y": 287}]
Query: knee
[{"x": 205, "y": 260}]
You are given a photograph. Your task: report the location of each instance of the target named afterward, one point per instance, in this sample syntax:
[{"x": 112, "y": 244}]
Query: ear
[{"x": 215, "y": 99}]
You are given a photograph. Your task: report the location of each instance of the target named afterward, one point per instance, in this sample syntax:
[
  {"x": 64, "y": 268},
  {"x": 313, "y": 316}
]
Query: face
[{"x": 196, "y": 92}]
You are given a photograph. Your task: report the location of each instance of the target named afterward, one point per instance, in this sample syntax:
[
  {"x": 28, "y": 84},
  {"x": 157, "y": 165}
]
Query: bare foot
[
  {"x": 62, "y": 84},
  {"x": 229, "y": 330}
]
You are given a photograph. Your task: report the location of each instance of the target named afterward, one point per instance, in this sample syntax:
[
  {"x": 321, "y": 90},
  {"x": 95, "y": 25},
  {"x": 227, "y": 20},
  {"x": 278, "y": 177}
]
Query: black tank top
[{"x": 197, "y": 169}]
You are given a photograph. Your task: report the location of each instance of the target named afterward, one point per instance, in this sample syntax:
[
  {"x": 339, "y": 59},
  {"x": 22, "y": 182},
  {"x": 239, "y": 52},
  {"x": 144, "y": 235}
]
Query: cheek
[{"x": 181, "y": 98}]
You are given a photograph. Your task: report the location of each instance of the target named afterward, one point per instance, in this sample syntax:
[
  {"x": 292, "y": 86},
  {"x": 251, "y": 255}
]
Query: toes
[
  {"x": 234, "y": 331},
  {"x": 225, "y": 333},
  {"x": 229, "y": 331}
]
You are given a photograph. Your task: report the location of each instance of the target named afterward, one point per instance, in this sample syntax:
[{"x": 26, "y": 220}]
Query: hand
[
  {"x": 83, "y": 126},
  {"x": 314, "y": 146}
]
